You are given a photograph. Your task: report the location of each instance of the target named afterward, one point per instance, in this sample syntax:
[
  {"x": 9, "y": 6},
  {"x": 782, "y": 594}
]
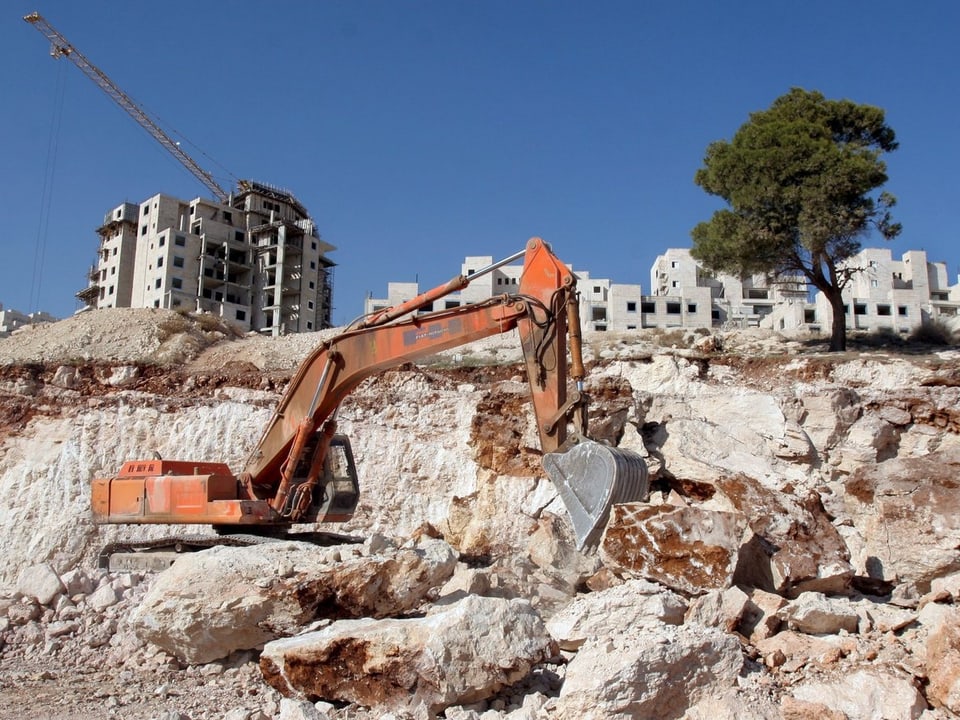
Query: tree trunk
[{"x": 838, "y": 326}]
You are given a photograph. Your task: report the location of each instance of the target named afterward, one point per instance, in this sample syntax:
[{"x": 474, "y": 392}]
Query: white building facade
[
  {"x": 258, "y": 261},
  {"x": 12, "y": 320},
  {"x": 899, "y": 295}
]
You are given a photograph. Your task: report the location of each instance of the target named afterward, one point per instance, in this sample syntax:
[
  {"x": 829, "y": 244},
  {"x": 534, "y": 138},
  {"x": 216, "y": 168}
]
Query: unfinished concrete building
[{"x": 257, "y": 261}]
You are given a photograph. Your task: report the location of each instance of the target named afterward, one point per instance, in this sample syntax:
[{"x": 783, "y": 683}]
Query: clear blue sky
[{"x": 418, "y": 133}]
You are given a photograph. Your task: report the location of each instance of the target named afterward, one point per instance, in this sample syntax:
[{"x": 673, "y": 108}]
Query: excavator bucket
[{"x": 591, "y": 478}]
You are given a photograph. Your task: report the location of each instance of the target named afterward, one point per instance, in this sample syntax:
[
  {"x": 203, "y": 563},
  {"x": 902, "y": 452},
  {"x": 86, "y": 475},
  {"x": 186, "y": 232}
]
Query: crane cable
[{"x": 46, "y": 195}]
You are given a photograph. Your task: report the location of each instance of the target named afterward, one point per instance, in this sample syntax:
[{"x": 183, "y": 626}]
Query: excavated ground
[{"x": 180, "y": 361}]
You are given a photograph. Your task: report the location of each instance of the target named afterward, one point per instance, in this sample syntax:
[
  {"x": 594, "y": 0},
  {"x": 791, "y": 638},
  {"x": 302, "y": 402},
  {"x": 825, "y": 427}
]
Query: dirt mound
[{"x": 133, "y": 335}]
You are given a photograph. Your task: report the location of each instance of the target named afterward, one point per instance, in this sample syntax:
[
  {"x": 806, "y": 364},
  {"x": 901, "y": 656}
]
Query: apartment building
[
  {"x": 257, "y": 261},
  {"x": 886, "y": 293},
  {"x": 503, "y": 280},
  {"x": 12, "y": 320}
]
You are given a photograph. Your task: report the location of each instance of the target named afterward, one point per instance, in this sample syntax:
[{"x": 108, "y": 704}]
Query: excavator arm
[{"x": 301, "y": 470}]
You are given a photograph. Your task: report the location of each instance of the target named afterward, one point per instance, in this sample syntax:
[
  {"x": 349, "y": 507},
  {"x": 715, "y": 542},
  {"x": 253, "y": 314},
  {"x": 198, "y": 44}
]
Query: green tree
[{"x": 800, "y": 182}]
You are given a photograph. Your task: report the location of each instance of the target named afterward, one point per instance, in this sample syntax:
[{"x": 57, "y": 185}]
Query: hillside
[{"x": 796, "y": 558}]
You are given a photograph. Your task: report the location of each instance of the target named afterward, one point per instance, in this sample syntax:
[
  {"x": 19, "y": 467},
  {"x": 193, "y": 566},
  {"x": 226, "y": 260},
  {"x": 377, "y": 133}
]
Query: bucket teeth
[{"x": 591, "y": 478}]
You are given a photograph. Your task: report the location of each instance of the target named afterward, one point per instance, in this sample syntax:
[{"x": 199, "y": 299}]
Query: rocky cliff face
[{"x": 800, "y": 535}]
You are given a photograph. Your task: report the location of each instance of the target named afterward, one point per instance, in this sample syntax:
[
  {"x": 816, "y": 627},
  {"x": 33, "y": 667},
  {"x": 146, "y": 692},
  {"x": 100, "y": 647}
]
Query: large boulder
[
  {"x": 687, "y": 549},
  {"x": 457, "y": 654},
  {"x": 907, "y": 511},
  {"x": 649, "y": 672},
  {"x": 794, "y": 547},
  {"x": 211, "y": 603},
  {"x": 870, "y": 694},
  {"x": 636, "y": 603}
]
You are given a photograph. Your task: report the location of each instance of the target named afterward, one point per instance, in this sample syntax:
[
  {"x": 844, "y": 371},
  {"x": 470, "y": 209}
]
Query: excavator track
[{"x": 159, "y": 554}]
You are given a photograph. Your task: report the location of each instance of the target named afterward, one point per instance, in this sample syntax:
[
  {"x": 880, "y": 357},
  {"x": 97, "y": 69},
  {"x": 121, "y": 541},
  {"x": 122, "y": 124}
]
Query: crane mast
[{"x": 60, "y": 47}]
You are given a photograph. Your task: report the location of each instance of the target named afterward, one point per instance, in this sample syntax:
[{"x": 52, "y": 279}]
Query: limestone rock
[
  {"x": 687, "y": 549},
  {"x": 794, "y": 547},
  {"x": 457, "y": 654},
  {"x": 649, "y": 673},
  {"x": 943, "y": 663},
  {"x": 761, "y": 618},
  {"x": 722, "y": 609},
  {"x": 908, "y": 512},
  {"x": 828, "y": 415},
  {"x": 798, "y": 650},
  {"x": 636, "y": 603},
  {"x": 815, "y": 614},
  {"x": 40, "y": 582},
  {"x": 866, "y": 695},
  {"x": 211, "y": 603}
]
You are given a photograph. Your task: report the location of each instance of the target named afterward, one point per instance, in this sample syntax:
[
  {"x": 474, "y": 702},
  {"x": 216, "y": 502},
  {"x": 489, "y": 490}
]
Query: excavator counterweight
[{"x": 302, "y": 470}]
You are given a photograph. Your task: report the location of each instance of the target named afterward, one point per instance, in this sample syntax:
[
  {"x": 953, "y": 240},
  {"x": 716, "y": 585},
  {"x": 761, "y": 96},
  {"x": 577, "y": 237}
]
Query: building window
[
  {"x": 113, "y": 270},
  {"x": 177, "y": 261},
  {"x": 309, "y": 325},
  {"x": 675, "y": 283},
  {"x": 313, "y": 265},
  {"x": 313, "y": 245},
  {"x": 883, "y": 310},
  {"x": 146, "y": 209},
  {"x": 114, "y": 251},
  {"x": 859, "y": 309},
  {"x": 238, "y": 236},
  {"x": 143, "y": 230},
  {"x": 874, "y": 283},
  {"x": 312, "y": 284},
  {"x": 601, "y": 327},
  {"x": 177, "y": 283},
  {"x": 691, "y": 307},
  {"x": 631, "y": 327},
  {"x": 228, "y": 218},
  {"x": 631, "y": 306},
  {"x": 110, "y": 291},
  {"x": 158, "y": 283},
  {"x": 902, "y": 310},
  {"x": 180, "y": 241},
  {"x": 596, "y": 289},
  {"x": 309, "y": 304},
  {"x": 598, "y": 314},
  {"x": 647, "y": 306},
  {"x": 873, "y": 263},
  {"x": 450, "y": 304},
  {"x": 163, "y": 240},
  {"x": 160, "y": 261},
  {"x": 673, "y": 308},
  {"x": 241, "y": 314},
  {"x": 674, "y": 263}
]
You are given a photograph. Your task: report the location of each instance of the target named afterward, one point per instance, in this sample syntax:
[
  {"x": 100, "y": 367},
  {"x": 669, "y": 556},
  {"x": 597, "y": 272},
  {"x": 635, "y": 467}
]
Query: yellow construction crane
[{"x": 60, "y": 47}]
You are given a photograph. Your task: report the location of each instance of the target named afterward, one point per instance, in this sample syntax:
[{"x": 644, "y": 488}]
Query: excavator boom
[{"x": 301, "y": 470}]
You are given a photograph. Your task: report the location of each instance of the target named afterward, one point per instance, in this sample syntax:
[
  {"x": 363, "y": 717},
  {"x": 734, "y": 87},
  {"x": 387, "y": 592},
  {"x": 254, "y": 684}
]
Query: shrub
[{"x": 933, "y": 332}]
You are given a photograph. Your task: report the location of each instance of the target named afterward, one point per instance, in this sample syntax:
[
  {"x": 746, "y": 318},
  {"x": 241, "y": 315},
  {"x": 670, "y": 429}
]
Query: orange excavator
[{"x": 302, "y": 470}]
